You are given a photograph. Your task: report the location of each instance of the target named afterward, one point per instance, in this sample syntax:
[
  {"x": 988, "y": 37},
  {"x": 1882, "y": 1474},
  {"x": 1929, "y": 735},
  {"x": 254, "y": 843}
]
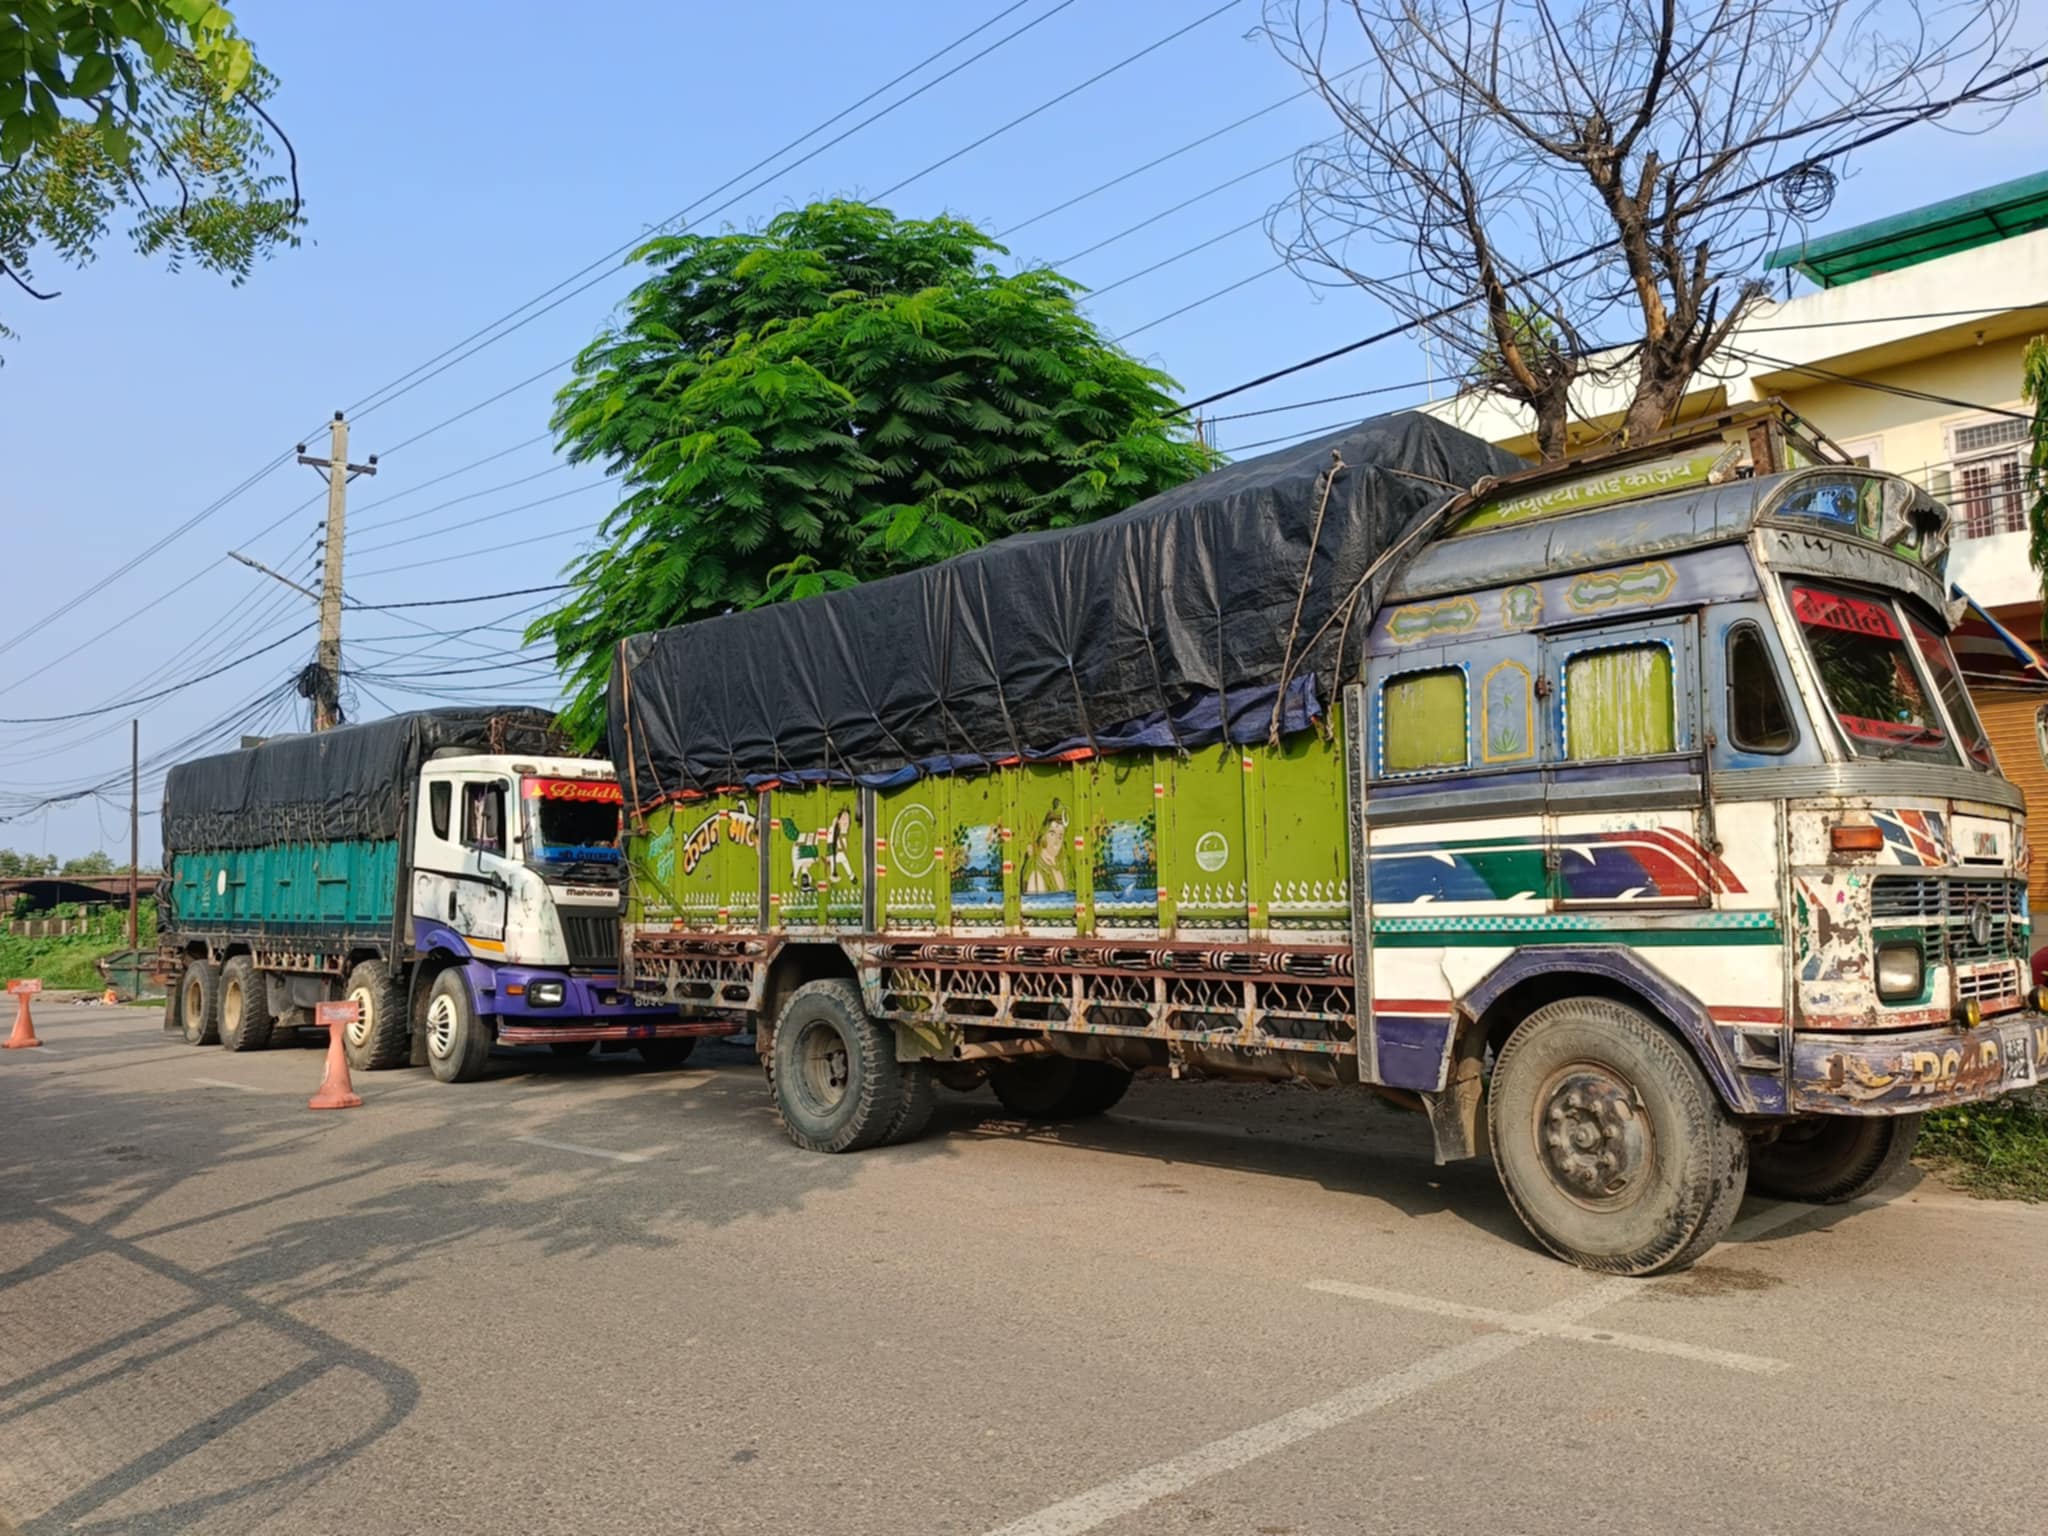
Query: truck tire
[
  {"x": 458, "y": 1040},
  {"x": 836, "y": 1082},
  {"x": 379, "y": 1036},
  {"x": 199, "y": 1003},
  {"x": 920, "y": 1101},
  {"x": 1827, "y": 1161},
  {"x": 1058, "y": 1087},
  {"x": 1609, "y": 1141},
  {"x": 245, "y": 1019},
  {"x": 667, "y": 1054}
]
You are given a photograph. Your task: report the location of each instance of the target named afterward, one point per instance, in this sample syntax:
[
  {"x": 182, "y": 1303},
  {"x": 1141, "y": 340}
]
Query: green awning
[{"x": 1906, "y": 239}]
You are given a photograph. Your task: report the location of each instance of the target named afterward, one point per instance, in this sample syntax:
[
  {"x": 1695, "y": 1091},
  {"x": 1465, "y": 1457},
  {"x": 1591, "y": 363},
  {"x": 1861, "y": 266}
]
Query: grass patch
[
  {"x": 1998, "y": 1149},
  {"x": 66, "y": 962}
]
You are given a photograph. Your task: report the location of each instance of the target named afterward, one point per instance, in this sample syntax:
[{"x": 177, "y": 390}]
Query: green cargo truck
[
  {"x": 1628, "y": 817},
  {"x": 450, "y": 872}
]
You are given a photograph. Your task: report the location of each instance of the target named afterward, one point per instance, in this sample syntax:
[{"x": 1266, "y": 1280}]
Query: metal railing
[{"x": 1987, "y": 495}]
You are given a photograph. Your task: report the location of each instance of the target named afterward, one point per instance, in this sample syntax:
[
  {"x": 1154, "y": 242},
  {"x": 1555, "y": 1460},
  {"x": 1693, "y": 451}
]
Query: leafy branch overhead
[
  {"x": 837, "y": 396},
  {"x": 152, "y": 107}
]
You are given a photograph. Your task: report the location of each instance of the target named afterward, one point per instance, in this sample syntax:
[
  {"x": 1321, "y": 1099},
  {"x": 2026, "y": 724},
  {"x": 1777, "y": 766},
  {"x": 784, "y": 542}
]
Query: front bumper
[
  {"x": 592, "y": 1008},
  {"x": 1906, "y": 1073}
]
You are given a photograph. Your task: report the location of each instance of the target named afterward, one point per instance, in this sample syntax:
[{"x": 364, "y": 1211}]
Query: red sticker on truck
[
  {"x": 1833, "y": 610},
  {"x": 596, "y": 791}
]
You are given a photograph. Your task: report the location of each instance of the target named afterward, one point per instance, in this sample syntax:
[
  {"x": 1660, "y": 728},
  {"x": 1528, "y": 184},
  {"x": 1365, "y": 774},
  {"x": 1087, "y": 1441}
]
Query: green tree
[
  {"x": 89, "y": 864},
  {"x": 838, "y": 396},
  {"x": 148, "y": 107},
  {"x": 21, "y": 866}
]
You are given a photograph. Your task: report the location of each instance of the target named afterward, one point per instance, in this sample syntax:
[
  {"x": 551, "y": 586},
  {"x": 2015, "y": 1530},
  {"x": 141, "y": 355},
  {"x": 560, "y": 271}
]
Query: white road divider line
[
  {"x": 572, "y": 1146},
  {"x": 221, "y": 1082},
  {"x": 1125, "y": 1495},
  {"x": 1536, "y": 1327}
]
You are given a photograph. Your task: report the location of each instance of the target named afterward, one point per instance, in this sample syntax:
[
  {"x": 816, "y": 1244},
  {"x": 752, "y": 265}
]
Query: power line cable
[
  {"x": 384, "y": 396},
  {"x": 126, "y": 704},
  {"x": 1164, "y": 213}
]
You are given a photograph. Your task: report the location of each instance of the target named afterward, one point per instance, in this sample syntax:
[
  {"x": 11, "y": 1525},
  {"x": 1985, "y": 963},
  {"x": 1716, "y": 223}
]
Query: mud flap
[{"x": 1457, "y": 1119}]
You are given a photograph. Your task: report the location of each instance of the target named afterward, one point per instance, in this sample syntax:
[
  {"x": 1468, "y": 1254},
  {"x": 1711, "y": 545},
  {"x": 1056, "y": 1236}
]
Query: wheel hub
[
  {"x": 823, "y": 1065},
  {"x": 358, "y": 1029},
  {"x": 1596, "y": 1146},
  {"x": 441, "y": 1027}
]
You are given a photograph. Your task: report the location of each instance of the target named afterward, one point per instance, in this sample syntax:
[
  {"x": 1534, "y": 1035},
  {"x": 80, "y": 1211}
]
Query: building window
[
  {"x": 1987, "y": 477},
  {"x": 1423, "y": 721},
  {"x": 1759, "y": 720},
  {"x": 1618, "y": 703}
]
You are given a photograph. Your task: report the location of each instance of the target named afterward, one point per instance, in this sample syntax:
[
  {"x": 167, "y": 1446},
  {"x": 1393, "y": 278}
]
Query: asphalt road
[{"x": 588, "y": 1297}]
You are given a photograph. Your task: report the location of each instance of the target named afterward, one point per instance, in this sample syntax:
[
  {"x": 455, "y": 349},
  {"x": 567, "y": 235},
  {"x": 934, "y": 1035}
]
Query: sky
[{"x": 460, "y": 159}]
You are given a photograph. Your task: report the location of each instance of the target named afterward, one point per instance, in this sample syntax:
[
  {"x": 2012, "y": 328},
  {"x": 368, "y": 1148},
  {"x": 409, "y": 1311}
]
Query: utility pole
[
  {"x": 327, "y": 690},
  {"x": 134, "y": 835}
]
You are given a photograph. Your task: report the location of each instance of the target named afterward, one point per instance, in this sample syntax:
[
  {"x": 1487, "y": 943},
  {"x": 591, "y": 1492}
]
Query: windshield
[
  {"x": 1941, "y": 666},
  {"x": 573, "y": 826},
  {"x": 1866, "y": 667}
]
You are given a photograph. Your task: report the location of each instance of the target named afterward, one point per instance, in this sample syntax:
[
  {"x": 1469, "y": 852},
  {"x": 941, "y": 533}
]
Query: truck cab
[{"x": 517, "y": 871}]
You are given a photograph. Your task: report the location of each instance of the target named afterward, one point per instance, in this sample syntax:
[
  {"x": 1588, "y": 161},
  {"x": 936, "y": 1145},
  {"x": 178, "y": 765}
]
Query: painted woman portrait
[{"x": 1045, "y": 869}]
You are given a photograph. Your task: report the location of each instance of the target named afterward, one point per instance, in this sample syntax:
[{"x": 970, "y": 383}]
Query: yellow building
[{"x": 1906, "y": 353}]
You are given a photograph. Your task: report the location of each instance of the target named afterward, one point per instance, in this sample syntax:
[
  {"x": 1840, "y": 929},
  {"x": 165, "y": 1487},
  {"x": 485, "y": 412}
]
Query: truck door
[
  {"x": 1624, "y": 790},
  {"x": 460, "y": 839}
]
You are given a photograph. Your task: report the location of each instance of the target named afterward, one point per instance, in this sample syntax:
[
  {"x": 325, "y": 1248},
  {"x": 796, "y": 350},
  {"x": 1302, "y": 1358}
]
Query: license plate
[{"x": 2016, "y": 1047}]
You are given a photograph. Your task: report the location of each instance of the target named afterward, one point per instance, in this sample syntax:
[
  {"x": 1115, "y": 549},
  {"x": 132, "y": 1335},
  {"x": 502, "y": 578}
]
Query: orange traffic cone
[
  {"x": 335, "y": 1089},
  {"x": 24, "y": 1028}
]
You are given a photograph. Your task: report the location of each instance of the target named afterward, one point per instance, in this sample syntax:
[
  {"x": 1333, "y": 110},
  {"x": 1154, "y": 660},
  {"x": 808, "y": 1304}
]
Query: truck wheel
[
  {"x": 378, "y": 1038},
  {"x": 245, "y": 1021},
  {"x": 836, "y": 1082},
  {"x": 199, "y": 1003},
  {"x": 1609, "y": 1141},
  {"x": 572, "y": 1047},
  {"x": 1058, "y": 1087},
  {"x": 1827, "y": 1161},
  {"x": 920, "y": 1101},
  {"x": 667, "y": 1054},
  {"x": 458, "y": 1041}
]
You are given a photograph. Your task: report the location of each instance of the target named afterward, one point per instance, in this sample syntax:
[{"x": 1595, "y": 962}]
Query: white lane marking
[
  {"x": 1515, "y": 1322},
  {"x": 1123, "y": 1495},
  {"x": 572, "y": 1146},
  {"x": 221, "y": 1082},
  {"x": 1111, "y": 1501}
]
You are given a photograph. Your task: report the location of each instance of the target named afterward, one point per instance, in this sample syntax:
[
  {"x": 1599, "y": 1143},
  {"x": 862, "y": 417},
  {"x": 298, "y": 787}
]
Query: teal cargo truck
[
  {"x": 450, "y": 872},
  {"x": 1627, "y": 817}
]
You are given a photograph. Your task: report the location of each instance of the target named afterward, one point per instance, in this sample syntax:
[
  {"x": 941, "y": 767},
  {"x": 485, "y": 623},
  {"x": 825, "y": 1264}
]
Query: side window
[
  {"x": 483, "y": 817},
  {"x": 440, "y": 793},
  {"x": 1423, "y": 721},
  {"x": 1759, "y": 719},
  {"x": 1618, "y": 703}
]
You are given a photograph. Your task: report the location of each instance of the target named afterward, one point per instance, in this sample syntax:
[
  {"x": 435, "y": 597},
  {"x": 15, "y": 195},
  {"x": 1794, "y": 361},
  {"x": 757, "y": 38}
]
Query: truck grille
[
  {"x": 593, "y": 939},
  {"x": 1931, "y": 900}
]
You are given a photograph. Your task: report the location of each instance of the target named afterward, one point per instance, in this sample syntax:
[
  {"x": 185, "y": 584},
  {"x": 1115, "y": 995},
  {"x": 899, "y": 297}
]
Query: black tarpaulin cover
[
  {"x": 343, "y": 785},
  {"x": 1126, "y": 631}
]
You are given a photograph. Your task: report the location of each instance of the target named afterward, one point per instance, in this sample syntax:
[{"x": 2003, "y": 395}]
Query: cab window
[
  {"x": 1618, "y": 703},
  {"x": 1423, "y": 723},
  {"x": 440, "y": 795},
  {"x": 1759, "y": 718},
  {"x": 1868, "y": 672},
  {"x": 1941, "y": 666},
  {"x": 483, "y": 817}
]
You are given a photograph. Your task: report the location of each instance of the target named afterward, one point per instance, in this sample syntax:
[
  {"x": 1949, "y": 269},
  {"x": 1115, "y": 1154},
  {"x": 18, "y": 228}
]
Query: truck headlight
[
  {"x": 544, "y": 994},
  {"x": 1900, "y": 975}
]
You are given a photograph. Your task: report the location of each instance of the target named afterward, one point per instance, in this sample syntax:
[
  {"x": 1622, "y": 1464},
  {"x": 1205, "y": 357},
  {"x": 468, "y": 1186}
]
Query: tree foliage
[
  {"x": 15, "y": 865},
  {"x": 837, "y": 396},
  {"x": 1558, "y": 190},
  {"x": 148, "y": 107}
]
